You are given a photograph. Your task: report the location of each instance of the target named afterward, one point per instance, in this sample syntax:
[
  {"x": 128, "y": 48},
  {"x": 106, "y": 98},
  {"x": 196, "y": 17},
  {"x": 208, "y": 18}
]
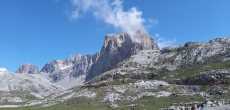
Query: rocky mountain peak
[
  {"x": 71, "y": 67},
  {"x": 28, "y": 68},
  {"x": 55, "y": 65},
  {"x": 144, "y": 39},
  {"x": 114, "y": 41},
  {"x": 74, "y": 57},
  {"x": 220, "y": 40},
  {"x": 118, "y": 47},
  {"x": 192, "y": 44},
  {"x": 140, "y": 41}
]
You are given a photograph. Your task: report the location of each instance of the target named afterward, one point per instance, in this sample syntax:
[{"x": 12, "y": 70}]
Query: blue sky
[{"x": 38, "y": 31}]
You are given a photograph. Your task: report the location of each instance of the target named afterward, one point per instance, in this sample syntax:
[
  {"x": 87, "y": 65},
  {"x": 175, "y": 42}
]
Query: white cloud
[
  {"x": 162, "y": 42},
  {"x": 111, "y": 12}
]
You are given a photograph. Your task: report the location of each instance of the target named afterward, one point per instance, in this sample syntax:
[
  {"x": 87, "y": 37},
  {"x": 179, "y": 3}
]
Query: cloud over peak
[{"x": 111, "y": 12}]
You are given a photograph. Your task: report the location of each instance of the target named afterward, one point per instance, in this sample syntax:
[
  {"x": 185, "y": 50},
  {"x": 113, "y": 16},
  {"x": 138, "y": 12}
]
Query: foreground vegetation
[{"x": 145, "y": 103}]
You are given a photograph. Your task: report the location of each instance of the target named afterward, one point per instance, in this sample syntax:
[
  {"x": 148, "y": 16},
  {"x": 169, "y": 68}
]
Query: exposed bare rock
[
  {"x": 192, "y": 53},
  {"x": 71, "y": 67},
  {"x": 212, "y": 77},
  {"x": 28, "y": 68},
  {"x": 117, "y": 48},
  {"x": 126, "y": 69},
  {"x": 150, "y": 63},
  {"x": 56, "y": 65}
]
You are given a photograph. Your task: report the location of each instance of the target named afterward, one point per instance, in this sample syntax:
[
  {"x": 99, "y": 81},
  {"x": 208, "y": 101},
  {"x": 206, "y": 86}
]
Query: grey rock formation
[
  {"x": 117, "y": 48},
  {"x": 82, "y": 65},
  {"x": 56, "y": 65},
  {"x": 73, "y": 66},
  {"x": 128, "y": 68},
  {"x": 18, "y": 89},
  {"x": 212, "y": 77},
  {"x": 151, "y": 63},
  {"x": 192, "y": 53},
  {"x": 28, "y": 68}
]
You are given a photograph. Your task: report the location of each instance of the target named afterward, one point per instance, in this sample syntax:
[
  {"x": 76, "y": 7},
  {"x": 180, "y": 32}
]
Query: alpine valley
[{"x": 128, "y": 73}]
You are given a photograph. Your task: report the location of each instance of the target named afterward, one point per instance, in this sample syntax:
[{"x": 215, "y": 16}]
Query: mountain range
[{"x": 129, "y": 72}]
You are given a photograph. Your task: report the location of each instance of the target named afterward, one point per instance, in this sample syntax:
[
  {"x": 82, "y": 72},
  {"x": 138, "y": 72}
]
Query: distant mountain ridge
[
  {"x": 124, "y": 70},
  {"x": 28, "y": 68},
  {"x": 119, "y": 47},
  {"x": 116, "y": 48}
]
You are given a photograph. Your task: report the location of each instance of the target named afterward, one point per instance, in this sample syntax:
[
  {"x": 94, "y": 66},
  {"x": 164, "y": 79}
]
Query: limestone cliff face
[
  {"x": 82, "y": 64},
  {"x": 147, "y": 64},
  {"x": 73, "y": 67},
  {"x": 118, "y": 47}
]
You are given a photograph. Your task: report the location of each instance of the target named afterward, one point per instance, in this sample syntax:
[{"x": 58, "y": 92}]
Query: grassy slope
[
  {"x": 193, "y": 70},
  {"x": 145, "y": 103}
]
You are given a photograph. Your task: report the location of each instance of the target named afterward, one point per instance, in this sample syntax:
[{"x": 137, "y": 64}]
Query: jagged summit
[
  {"x": 28, "y": 68},
  {"x": 221, "y": 40},
  {"x": 118, "y": 47},
  {"x": 66, "y": 64},
  {"x": 218, "y": 40},
  {"x": 120, "y": 38},
  {"x": 55, "y": 66}
]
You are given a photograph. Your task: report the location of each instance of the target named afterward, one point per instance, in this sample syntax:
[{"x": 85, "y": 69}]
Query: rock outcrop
[
  {"x": 191, "y": 53},
  {"x": 117, "y": 48},
  {"x": 170, "y": 62},
  {"x": 212, "y": 77},
  {"x": 71, "y": 67},
  {"x": 28, "y": 68}
]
